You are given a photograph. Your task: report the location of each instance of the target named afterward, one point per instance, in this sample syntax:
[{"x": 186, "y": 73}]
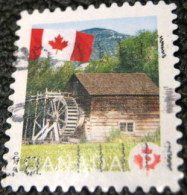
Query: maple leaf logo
[
  {"x": 146, "y": 156},
  {"x": 59, "y": 43}
]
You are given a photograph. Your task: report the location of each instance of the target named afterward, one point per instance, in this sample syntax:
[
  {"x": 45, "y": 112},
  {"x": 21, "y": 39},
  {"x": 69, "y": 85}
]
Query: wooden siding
[
  {"x": 97, "y": 127},
  {"x": 107, "y": 113},
  {"x": 128, "y": 104}
]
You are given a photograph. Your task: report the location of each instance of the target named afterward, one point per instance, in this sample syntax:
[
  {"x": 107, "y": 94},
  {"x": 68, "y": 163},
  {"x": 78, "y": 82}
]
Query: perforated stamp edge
[{"x": 119, "y": 181}]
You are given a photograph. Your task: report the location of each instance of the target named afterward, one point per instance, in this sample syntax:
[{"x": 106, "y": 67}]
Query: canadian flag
[{"x": 67, "y": 45}]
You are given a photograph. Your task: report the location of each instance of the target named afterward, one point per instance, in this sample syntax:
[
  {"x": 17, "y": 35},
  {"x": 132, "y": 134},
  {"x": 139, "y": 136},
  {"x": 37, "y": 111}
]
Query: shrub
[
  {"x": 152, "y": 137},
  {"x": 115, "y": 136},
  {"x": 83, "y": 139},
  {"x": 119, "y": 137}
]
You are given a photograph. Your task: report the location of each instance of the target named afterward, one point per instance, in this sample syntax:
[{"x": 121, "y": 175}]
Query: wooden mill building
[{"x": 128, "y": 102}]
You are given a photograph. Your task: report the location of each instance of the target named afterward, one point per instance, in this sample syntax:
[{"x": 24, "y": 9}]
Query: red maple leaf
[
  {"x": 155, "y": 162},
  {"x": 147, "y": 150},
  {"x": 138, "y": 159},
  {"x": 146, "y": 158},
  {"x": 59, "y": 43}
]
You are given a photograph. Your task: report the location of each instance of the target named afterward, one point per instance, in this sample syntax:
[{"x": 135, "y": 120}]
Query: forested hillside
[{"x": 105, "y": 41}]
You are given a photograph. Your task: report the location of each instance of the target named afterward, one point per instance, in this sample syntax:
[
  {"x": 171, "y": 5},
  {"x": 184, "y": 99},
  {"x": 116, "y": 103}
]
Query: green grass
[{"x": 82, "y": 157}]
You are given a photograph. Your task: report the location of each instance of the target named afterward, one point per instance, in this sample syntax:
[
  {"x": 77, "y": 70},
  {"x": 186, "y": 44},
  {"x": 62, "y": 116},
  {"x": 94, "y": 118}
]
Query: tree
[
  {"x": 106, "y": 64},
  {"x": 62, "y": 76},
  {"x": 139, "y": 54},
  {"x": 42, "y": 75},
  {"x": 38, "y": 72}
]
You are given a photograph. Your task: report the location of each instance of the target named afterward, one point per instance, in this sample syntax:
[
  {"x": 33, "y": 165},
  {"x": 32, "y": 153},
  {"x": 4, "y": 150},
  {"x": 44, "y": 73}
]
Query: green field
[{"x": 80, "y": 157}]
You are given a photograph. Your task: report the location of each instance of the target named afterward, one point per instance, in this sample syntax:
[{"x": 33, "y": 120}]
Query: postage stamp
[{"x": 94, "y": 101}]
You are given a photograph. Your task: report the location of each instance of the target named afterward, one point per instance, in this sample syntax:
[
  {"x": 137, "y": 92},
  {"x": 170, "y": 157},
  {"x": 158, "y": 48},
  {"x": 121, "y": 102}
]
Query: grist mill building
[{"x": 128, "y": 102}]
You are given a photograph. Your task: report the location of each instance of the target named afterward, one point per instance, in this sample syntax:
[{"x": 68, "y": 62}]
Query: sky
[{"x": 128, "y": 26}]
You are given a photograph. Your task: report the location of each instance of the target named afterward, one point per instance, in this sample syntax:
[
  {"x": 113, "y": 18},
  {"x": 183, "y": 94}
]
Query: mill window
[
  {"x": 123, "y": 126},
  {"x": 130, "y": 127},
  {"x": 127, "y": 126}
]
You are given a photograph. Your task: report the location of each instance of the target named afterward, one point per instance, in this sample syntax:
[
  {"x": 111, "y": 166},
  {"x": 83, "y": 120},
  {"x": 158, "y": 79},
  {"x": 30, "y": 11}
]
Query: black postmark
[
  {"x": 78, "y": 158},
  {"x": 169, "y": 99},
  {"x": 162, "y": 46},
  {"x": 101, "y": 157},
  {"x": 169, "y": 155},
  {"x": 32, "y": 165},
  {"x": 16, "y": 161}
]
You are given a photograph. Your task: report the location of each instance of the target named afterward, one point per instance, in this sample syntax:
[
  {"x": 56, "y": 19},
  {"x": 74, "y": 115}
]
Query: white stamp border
[{"x": 160, "y": 179}]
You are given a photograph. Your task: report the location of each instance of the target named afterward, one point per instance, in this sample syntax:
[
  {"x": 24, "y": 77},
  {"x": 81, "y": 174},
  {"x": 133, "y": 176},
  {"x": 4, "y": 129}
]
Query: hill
[{"x": 105, "y": 41}]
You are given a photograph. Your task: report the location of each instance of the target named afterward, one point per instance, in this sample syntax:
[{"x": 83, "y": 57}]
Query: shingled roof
[{"x": 117, "y": 83}]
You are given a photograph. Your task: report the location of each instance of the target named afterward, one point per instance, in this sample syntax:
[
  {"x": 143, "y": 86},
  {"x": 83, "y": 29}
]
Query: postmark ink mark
[
  {"x": 78, "y": 158},
  {"x": 16, "y": 160},
  {"x": 169, "y": 99},
  {"x": 32, "y": 165},
  {"x": 123, "y": 157},
  {"x": 169, "y": 155},
  {"x": 162, "y": 46},
  {"x": 101, "y": 157}
]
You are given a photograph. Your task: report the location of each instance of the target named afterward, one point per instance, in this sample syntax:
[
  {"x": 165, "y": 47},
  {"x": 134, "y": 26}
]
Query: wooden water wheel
[{"x": 50, "y": 117}]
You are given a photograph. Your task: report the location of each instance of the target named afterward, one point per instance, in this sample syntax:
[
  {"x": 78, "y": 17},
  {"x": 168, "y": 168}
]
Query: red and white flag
[{"x": 67, "y": 45}]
